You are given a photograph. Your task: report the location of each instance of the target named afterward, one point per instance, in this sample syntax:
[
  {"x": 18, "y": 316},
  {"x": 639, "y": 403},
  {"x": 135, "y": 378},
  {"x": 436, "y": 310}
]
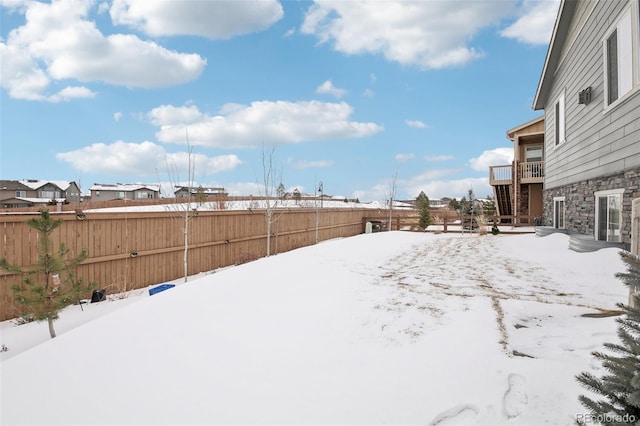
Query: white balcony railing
[
  {"x": 500, "y": 175},
  {"x": 532, "y": 172}
]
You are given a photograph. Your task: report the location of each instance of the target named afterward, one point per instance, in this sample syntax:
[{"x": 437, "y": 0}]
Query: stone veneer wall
[
  {"x": 523, "y": 202},
  {"x": 580, "y": 201}
]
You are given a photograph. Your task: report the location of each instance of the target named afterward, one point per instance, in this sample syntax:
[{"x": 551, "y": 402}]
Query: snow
[{"x": 394, "y": 327}]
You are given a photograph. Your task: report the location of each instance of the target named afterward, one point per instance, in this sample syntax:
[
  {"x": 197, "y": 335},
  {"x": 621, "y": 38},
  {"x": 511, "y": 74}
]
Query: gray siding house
[
  {"x": 123, "y": 191},
  {"x": 207, "y": 192},
  {"x": 590, "y": 93},
  {"x": 36, "y": 192}
]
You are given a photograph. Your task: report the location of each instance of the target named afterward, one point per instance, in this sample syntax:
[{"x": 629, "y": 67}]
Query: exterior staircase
[{"x": 503, "y": 199}]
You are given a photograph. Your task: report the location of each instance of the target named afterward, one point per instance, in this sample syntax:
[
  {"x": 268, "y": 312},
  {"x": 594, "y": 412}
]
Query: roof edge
[
  {"x": 522, "y": 126},
  {"x": 558, "y": 37}
]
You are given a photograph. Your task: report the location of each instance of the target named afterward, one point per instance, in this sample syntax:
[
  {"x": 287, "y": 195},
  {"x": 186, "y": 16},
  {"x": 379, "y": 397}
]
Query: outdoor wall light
[{"x": 584, "y": 96}]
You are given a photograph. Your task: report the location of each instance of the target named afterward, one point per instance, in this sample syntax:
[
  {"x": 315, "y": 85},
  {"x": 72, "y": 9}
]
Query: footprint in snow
[
  {"x": 458, "y": 415},
  {"x": 515, "y": 398}
]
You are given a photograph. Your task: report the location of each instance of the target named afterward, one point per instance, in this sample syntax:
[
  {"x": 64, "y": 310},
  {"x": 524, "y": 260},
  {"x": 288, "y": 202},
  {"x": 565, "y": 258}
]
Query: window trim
[
  {"x": 564, "y": 210},
  {"x": 635, "y": 34},
  {"x": 630, "y": 13},
  {"x": 599, "y": 194},
  {"x": 559, "y": 120}
]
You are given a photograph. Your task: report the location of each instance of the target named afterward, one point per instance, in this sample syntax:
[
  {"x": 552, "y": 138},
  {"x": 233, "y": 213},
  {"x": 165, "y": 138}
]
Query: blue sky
[{"x": 346, "y": 93}]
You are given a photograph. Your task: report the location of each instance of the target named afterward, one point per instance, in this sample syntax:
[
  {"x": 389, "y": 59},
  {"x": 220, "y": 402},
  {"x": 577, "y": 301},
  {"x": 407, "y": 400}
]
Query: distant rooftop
[
  {"x": 125, "y": 187},
  {"x": 38, "y": 183}
]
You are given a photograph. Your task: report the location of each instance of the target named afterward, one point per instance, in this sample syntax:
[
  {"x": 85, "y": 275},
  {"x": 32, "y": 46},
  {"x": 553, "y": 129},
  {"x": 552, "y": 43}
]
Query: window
[
  {"x": 608, "y": 209},
  {"x": 558, "y": 212},
  {"x": 618, "y": 59},
  {"x": 120, "y": 195},
  {"x": 21, "y": 194},
  {"x": 49, "y": 195},
  {"x": 533, "y": 153},
  {"x": 559, "y": 129}
]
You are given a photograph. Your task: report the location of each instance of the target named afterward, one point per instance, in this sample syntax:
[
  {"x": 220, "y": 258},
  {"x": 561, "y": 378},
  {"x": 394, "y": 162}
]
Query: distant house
[
  {"x": 517, "y": 187},
  {"x": 433, "y": 203},
  {"x": 589, "y": 90},
  {"x": 36, "y": 192},
  {"x": 123, "y": 191},
  {"x": 439, "y": 203},
  {"x": 207, "y": 192}
]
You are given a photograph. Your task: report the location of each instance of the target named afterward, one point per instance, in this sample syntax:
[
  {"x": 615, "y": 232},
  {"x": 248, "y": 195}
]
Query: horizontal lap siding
[
  {"x": 216, "y": 239},
  {"x": 597, "y": 143}
]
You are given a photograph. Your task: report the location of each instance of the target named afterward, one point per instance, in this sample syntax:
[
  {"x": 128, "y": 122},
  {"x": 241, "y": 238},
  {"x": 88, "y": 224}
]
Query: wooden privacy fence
[
  {"x": 445, "y": 220},
  {"x": 137, "y": 249}
]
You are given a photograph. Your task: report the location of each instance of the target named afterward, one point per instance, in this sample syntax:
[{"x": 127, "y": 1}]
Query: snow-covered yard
[{"x": 395, "y": 327}]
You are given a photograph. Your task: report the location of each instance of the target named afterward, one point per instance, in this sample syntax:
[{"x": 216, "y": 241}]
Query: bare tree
[
  {"x": 186, "y": 211},
  {"x": 392, "y": 195},
  {"x": 268, "y": 185}
]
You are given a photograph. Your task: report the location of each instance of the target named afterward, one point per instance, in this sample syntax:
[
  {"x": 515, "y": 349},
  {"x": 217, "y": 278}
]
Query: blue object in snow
[{"x": 160, "y": 288}]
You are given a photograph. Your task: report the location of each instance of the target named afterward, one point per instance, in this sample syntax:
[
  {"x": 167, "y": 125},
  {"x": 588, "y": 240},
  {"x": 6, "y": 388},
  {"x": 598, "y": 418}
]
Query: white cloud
[
  {"x": 218, "y": 19},
  {"x": 244, "y": 188},
  {"x": 436, "y": 183},
  {"x": 117, "y": 116},
  {"x": 329, "y": 89},
  {"x": 142, "y": 159},
  {"x": 168, "y": 115},
  {"x": 23, "y": 79},
  {"x": 438, "y": 158},
  {"x": 317, "y": 164},
  {"x": 378, "y": 192},
  {"x": 58, "y": 42},
  {"x": 455, "y": 188},
  {"x": 403, "y": 158},
  {"x": 259, "y": 123},
  {"x": 494, "y": 157},
  {"x": 535, "y": 24},
  {"x": 416, "y": 124},
  {"x": 427, "y": 34},
  {"x": 201, "y": 163},
  {"x": 72, "y": 92},
  {"x": 13, "y": 4},
  {"x": 103, "y": 7},
  {"x": 368, "y": 93}
]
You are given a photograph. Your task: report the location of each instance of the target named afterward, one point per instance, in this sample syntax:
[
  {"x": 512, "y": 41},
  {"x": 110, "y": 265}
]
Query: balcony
[
  {"x": 531, "y": 172},
  {"x": 500, "y": 175}
]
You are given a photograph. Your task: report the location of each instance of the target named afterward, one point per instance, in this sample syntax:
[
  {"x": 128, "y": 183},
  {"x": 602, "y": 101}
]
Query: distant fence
[
  {"x": 445, "y": 220},
  {"x": 136, "y": 249}
]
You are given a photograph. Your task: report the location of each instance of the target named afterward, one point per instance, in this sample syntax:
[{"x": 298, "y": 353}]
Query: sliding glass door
[{"x": 608, "y": 206}]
